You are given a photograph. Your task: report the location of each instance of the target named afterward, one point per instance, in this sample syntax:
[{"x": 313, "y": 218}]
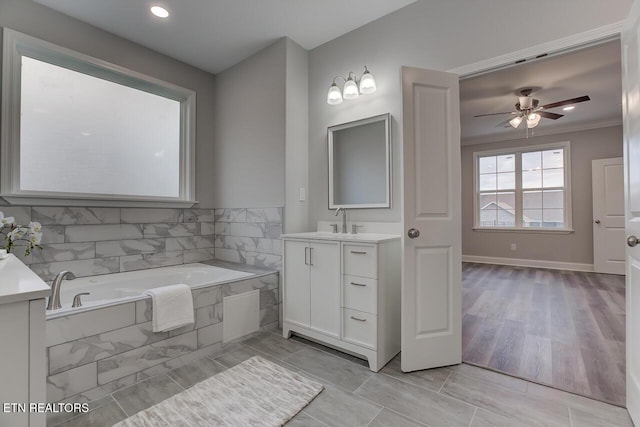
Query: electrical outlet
[{"x": 514, "y": 247}]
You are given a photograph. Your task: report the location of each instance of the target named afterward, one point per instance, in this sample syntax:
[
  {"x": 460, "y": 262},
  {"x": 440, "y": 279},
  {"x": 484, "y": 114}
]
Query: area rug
[{"x": 254, "y": 393}]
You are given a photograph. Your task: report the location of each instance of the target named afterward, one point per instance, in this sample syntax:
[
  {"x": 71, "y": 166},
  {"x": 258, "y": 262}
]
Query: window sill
[
  {"x": 33, "y": 200},
  {"x": 525, "y": 230}
]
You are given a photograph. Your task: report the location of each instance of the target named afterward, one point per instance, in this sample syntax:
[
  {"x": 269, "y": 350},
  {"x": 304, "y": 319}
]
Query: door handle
[
  {"x": 358, "y": 284},
  {"x": 632, "y": 241},
  {"x": 413, "y": 233},
  {"x": 597, "y": 221},
  {"x": 358, "y": 319},
  {"x": 305, "y": 257},
  {"x": 310, "y": 256}
]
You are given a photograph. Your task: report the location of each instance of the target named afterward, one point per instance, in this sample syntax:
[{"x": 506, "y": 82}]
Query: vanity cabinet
[
  {"x": 22, "y": 333},
  {"x": 313, "y": 273},
  {"x": 344, "y": 291}
]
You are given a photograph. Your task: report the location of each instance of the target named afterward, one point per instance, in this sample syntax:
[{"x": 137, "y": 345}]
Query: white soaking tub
[{"x": 117, "y": 288}]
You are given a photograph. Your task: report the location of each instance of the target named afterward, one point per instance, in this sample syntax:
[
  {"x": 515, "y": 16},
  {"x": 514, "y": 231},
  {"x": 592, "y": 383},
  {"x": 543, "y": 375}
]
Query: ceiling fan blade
[
  {"x": 566, "y": 102},
  {"x": 548, "y": 115},
  {"x": 503, "y": 123},
  {"x": 494, "y": 114}
]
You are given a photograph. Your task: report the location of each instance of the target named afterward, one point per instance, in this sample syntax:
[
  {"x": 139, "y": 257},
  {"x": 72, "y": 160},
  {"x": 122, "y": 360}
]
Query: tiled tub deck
[{"x": 93, "y": 353}]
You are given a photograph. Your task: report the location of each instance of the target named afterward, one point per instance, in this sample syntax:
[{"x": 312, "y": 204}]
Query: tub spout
[{"x": 54, "y": 298}]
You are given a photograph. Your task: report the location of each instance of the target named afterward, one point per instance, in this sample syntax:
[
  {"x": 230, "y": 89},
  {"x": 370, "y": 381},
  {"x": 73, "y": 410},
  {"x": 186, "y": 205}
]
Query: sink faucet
[
  {"x": 54, "y": 299},
  {"x": 344, "y": 219}
]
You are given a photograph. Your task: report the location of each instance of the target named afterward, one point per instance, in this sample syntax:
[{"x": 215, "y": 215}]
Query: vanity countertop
[
  {"x": 19, "y": 283},
  {"x": 348, "y": 237}
]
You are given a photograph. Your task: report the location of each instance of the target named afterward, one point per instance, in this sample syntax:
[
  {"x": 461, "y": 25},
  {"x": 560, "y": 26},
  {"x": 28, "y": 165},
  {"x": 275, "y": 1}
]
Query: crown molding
[
  {"x": 566, "y": 44},
  {"x": 509, "y": 136}
]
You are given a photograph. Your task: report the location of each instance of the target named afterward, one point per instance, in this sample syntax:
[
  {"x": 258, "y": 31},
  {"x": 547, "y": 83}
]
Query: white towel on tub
[{"x": 172, "y": 307}]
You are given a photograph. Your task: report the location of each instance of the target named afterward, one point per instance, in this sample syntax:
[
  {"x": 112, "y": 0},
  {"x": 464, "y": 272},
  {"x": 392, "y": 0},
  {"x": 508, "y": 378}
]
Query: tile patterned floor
[{"x": 461, "y": 395}]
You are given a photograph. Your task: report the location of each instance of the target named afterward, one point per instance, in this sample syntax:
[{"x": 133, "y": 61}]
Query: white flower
[
  {"x": 16, "y": 234},
  {"x": 35, "y": 227},
  {"x": 35, "y": 238},
  {"x": 6, "y": 220}
]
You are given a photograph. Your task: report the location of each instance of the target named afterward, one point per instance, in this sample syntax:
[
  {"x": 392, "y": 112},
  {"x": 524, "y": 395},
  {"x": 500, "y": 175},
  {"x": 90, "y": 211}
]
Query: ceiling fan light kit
[{"x": 527, "y": 109}]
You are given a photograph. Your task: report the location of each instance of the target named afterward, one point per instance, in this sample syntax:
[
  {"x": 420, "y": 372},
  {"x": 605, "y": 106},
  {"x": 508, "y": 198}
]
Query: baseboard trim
[{"x": 554, "y": 265}]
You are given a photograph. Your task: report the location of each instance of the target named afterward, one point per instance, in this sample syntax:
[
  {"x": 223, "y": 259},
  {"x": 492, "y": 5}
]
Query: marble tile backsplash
[
  {"x": 249, "y": 236},
  {"x": 92, "y": 241}
]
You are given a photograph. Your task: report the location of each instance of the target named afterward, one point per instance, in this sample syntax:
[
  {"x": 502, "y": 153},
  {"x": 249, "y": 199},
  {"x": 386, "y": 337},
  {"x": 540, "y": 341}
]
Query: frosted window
[{"x": 83, "y": 134}]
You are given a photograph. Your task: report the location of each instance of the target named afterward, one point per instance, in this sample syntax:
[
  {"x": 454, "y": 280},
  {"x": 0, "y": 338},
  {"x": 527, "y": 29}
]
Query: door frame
[{"x": 557, "y": 47}]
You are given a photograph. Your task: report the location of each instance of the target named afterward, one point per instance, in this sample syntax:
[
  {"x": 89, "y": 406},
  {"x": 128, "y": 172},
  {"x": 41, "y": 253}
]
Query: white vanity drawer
[
  {"x": 359, "y": 328},
  {"x": 359, "y": 293},
  {"x": 360, "y": 260}
]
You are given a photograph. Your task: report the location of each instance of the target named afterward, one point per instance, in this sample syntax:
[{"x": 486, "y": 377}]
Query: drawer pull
[
  {"x": 358, "y": 319},
  {"x": 358, "y": 284},
  {"x": 359, "y": 252}
]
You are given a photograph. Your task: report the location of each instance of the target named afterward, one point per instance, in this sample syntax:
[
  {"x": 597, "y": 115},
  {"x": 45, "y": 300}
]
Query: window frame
[
  {"x": 518, "y": 151},
  {"x": 15, "y": 46}
]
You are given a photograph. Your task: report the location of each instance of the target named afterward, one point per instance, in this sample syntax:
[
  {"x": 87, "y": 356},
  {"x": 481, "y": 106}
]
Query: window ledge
[
  {"x": 32, "y": 200},
  {"x": 525, "y": 230}
]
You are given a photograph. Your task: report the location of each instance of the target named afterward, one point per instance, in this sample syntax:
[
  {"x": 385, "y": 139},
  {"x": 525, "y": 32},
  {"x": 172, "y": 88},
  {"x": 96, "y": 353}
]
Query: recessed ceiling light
[
  {"x": 569, "y": 108},
  {"x": 159, "y": 11}
]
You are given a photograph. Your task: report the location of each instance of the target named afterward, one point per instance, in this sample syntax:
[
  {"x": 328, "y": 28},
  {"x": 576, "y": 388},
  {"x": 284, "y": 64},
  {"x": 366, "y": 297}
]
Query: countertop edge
[{"x": 22, "y": 284}]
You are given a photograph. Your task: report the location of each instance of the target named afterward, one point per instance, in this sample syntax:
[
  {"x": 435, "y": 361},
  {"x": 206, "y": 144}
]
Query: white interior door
[
  {"x": 631, "y": 126},
  {"x": 431, "y": 281},
  {"x": 608, "y": 215}
]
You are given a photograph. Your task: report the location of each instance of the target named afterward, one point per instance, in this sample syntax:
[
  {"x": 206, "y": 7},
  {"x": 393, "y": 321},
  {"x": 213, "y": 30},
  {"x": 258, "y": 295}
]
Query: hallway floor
[
  {"x": 461, "y": 395},
  {"x": 561, "y": 328}
]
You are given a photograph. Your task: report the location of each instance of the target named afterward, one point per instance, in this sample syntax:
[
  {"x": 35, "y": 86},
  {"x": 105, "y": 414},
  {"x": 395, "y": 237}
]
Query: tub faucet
[
  {"x": 344, "y": 219},
  {"x": 54, "y": 299}
]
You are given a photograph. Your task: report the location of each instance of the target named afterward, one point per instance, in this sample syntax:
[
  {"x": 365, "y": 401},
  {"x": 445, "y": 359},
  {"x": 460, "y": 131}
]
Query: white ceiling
[
  {"x": 216, "y": 34},
  {"x": 594, "y": 71}
]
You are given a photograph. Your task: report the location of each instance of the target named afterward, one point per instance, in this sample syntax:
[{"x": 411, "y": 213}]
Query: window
[
  {"x": 82, "y": 129},
  {"x": 527, "y": 188}
]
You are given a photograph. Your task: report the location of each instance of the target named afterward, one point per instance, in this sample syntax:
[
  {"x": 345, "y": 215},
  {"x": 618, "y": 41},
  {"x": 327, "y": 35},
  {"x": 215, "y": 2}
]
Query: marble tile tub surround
[
  {"x": 100, "y": 351},
  {"x": 249, "y": 236},
  {"x": 92, "y": 241}
]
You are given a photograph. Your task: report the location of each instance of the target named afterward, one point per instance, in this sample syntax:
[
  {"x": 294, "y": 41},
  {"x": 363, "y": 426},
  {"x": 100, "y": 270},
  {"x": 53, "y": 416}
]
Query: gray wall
[
  {"x": 39, "y": 21},
  {"x": 576, "y": 247},
  {"x": 296, "y": 212},
  {"x": 439, "y": 35},
  {"x": 249, "y": 123}
]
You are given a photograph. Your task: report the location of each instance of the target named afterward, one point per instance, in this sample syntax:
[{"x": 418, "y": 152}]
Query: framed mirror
[{"x": 360, "y": 163}]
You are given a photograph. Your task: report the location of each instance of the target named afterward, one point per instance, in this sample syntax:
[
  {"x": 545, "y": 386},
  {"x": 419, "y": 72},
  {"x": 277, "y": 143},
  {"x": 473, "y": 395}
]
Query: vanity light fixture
[
  {"x": 160, "y": 12},
  {"x": 352, "y": 87}
]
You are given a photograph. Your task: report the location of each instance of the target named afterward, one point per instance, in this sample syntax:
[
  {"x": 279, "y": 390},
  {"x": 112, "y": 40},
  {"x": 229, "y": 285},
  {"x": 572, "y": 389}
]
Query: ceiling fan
[{"x": 527, "y": 110}]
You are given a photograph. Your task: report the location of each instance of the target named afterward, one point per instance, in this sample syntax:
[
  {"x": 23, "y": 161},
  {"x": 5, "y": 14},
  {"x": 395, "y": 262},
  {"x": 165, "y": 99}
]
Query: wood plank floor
[{"x": 564, "y": 329}]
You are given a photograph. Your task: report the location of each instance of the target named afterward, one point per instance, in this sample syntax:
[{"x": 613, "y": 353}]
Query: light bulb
[
  {"x": 533, "y": 119},
  {"x": 334, "y": 97},
  {"x": 367, "y": 83},
  {"x": 159, "y": 11},
  {"x": 515, "y": 122},
  {"x": 350, "y": 89}
]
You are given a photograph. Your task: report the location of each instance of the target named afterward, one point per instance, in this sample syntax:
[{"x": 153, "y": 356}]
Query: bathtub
[
  {"x": 108, "y": 344},
  {"x": 118, "y": 288}
]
